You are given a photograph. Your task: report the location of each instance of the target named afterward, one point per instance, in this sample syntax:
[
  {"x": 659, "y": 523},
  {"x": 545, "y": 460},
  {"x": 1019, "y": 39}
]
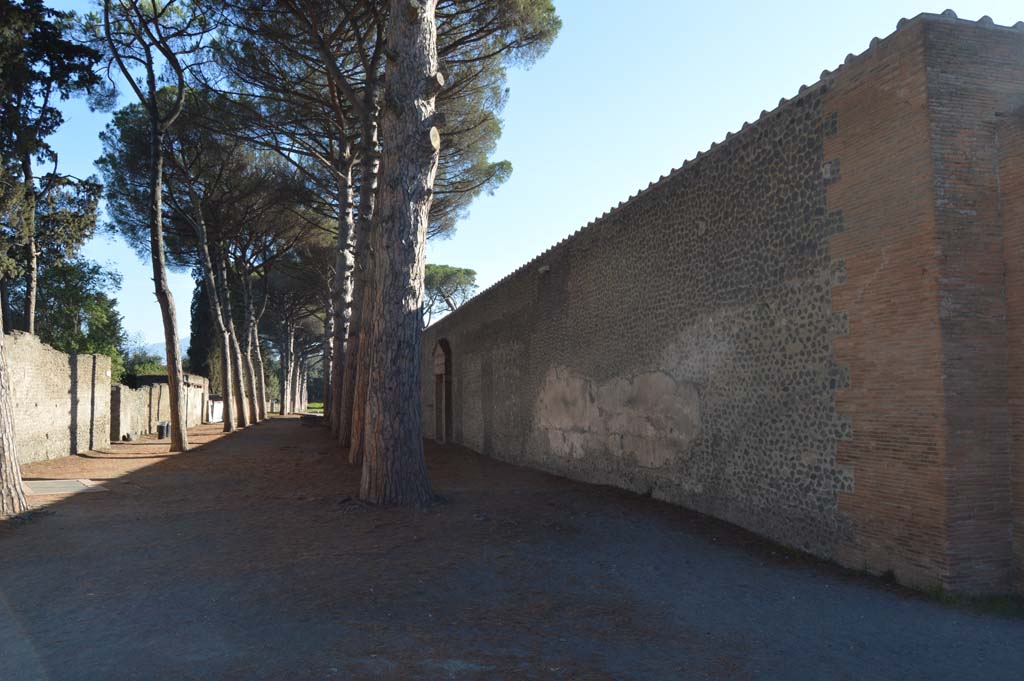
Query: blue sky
[{"x": 629, "y": 91}]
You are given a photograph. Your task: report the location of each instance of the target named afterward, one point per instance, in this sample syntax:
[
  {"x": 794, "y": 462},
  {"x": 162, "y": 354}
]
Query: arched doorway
[{"x": 443, "y": 391}]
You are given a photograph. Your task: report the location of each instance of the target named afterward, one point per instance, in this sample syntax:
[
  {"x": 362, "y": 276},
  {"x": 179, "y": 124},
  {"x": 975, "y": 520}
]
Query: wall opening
[{"x": 443, "y": 391}]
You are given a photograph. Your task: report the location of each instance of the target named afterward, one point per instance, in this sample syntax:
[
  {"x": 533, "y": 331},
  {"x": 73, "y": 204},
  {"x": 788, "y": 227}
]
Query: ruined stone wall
[
  {"x": 61, "y": 402},
  {"x": 130, "y": 416},
  {"x": 65, "y": 404},
  {"x": 803, "y": 331},
  {"x": 197, "y": 393},
  {"x": 136, "y": 412}
]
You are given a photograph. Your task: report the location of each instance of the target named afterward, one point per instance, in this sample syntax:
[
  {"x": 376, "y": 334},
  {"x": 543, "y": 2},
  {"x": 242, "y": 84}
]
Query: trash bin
[{"x": 163, "y": 430}]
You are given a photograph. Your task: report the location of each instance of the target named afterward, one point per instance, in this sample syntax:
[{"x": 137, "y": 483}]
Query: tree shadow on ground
[{"x": 245, "y": 558}]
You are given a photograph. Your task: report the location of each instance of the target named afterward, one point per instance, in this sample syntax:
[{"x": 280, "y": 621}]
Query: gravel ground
[{"x": 244, "y": 559}]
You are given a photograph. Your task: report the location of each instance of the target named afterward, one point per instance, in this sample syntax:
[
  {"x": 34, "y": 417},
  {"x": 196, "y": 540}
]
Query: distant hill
[{"x": 158, "y": 348}]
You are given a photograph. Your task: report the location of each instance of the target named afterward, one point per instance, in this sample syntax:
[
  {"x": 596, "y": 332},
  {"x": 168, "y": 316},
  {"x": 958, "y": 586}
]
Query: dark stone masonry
[{"x": 807, "y": 330}]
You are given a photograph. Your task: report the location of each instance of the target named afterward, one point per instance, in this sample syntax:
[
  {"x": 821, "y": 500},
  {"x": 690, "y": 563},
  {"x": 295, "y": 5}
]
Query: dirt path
[{"x": 240, "y": 561}]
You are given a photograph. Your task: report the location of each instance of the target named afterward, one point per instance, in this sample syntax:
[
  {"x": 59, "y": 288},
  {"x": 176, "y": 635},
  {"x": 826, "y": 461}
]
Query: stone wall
[
  {"x": 61, "y": 402},
  {"x": 130, "y": 413},
  {"x": 197, "y": 394},
  {"x": 136, "y": 412},
  {"x": 804, "y": 331}
]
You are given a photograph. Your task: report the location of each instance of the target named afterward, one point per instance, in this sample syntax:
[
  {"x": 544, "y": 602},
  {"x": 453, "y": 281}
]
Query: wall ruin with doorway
[
  {"x": 810, "y": 330},
  {"x": 136, "y": 412},
  {"x": 65, "y": 404},
  {"x": 61, "y": 402}
]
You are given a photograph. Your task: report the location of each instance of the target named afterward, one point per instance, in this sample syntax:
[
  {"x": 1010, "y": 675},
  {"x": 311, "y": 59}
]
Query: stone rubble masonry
[
  {"x": 136, "y": 412},
  {"x": 61, "y": 402},
  {"x": 814, "y": 330},
  {"x": 66, "y": 405}
]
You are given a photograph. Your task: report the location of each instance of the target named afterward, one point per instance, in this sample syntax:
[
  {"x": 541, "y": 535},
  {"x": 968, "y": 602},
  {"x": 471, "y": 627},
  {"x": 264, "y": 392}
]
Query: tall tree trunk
[
  {"x": 259, "y": 410},
  {"x": 159, "y": 123},
  {"x": 250, "y": 378},
  {"x": 293, "y": 396},
  {"x": 342, "y": 311},
  {"x": 394, "y": 470},
  {"x": 213, "y": 296},
  {"x": 304, "y": 393},
  {"x": 232, "y": 369},
  {"x": 235, "y": 353},
  {"x": 5, "y": 304},
  {"x": 261, "y": 381},
  {"x": 31, "y": 247},
  {"x": 12, "y": 494},
  {"x": 305, "y": 386},
  {"x": 31, "y": 284},
  {"x": 227, "y": 381},
  {"x": 327, "y": 356},
  {"x": 356, "y": 377},
  {"x": 179, "y": 434},
  {"x": 260, "y": 368},
  {"x": 286, "y": 369},
  {"x": 242, "y": 398}
]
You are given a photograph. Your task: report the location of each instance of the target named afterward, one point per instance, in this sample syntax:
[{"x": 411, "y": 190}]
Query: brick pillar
[
  {"x": 1010, "y": 135},
  {"x": 975, "y": 77}
]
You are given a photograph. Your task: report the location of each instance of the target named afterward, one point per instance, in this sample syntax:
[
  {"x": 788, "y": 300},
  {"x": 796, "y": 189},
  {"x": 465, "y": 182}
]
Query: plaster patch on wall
[{"x": 650, "y": 417}]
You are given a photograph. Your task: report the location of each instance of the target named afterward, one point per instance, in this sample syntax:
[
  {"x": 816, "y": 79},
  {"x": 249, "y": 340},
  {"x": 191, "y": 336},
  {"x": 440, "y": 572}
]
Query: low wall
[
  {"x": 61, "y": 402},
  {"x": 136, "y": 412},
  {"x": 197, "y": 392}
]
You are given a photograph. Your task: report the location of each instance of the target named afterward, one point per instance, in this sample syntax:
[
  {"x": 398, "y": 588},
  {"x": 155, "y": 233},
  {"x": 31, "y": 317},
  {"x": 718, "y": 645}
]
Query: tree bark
[
  {"x": 356, "y": 376},
  {"x": 12, "y": 493},
  {"x": 256, "y": 379},
  {"x": 261, "y": 381},
  {"x": 305, "y": 387},
  {"x": 293, "y": 396},
  {"x": 179, "y": 434},
  {"x": 31, "y": 247},
  {"x": 235, "y": 352},
  {"x": 210, "y": 281},
  {"x": 343, "y": 296},
  {"x": 158, "y": 125},
  {"x": 241, "y": 382},
  {"x": 261, "y": 371},
  {"x": 359, "y": 340},
  {"x": 250, "y": 377},
  {"x": 286, "y": 369},
  {"x": 342, "y": 384},
  {"x": 327, "y": 356},
  {"x": 227, "y": 384},
  {"x": 5, "y": 304},
  {"x": 31, "y": 284},
  {"x": 394, "y": 469}
]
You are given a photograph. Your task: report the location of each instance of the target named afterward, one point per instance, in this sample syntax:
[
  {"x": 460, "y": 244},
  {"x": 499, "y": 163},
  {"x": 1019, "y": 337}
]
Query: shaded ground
[{"x": 240, "y": 561}]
